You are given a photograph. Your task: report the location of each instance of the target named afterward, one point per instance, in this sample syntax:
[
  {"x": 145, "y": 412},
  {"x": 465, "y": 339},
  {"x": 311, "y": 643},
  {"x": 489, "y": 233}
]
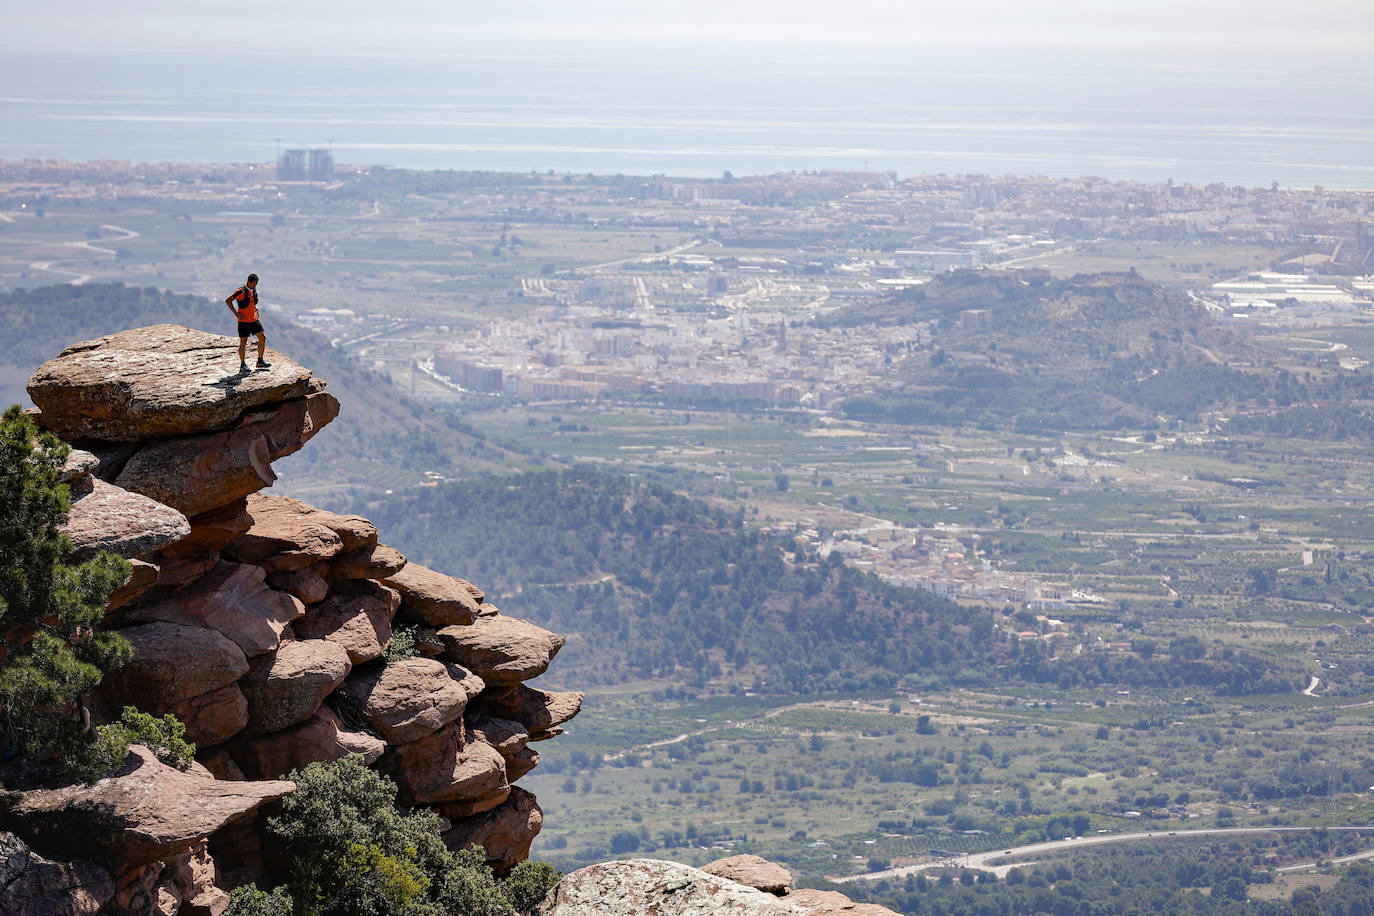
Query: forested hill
[
  {"x": 1029, "y": 349},
  {"x": 647, "y": 583},
  {"x": 377, "y": 425}
]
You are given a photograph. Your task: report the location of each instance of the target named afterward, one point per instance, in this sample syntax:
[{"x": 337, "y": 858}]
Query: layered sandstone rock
[
  {"x": 649, "y": 887},
  {"x": 152, "y": 383},
  {"x": 754, "y": 871},
  {"x": 263, "y": 623},
  {"x": 144, "y": 813}
]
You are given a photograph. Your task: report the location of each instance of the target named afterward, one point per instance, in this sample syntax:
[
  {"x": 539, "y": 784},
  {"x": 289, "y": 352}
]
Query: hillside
[
  {"x": 379, "y": 428},
  {"x": 1091, "y": 351},
  {"x": 647, "y": 583}
]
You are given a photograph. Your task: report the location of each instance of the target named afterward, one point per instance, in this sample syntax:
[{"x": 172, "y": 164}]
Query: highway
[{"x": 983, "y": 861}]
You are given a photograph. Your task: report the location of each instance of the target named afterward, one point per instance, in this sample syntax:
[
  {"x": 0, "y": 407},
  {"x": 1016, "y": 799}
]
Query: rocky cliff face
[{"x": 262, "y": 623}]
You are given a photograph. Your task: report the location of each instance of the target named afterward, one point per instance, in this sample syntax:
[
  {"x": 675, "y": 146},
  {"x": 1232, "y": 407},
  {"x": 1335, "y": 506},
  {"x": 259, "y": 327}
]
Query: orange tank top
[{"x": 248, "y": 303}]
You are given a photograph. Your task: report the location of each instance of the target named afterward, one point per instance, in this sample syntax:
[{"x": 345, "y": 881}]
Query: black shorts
[{"x": 249, "y": 328}]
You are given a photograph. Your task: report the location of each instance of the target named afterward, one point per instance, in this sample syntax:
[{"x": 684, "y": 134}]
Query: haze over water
[{"x": 1189, "y": 116}]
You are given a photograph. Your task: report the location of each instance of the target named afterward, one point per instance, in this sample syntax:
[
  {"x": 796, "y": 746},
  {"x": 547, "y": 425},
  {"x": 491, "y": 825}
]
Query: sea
[{"x": 1200, "y": 116}]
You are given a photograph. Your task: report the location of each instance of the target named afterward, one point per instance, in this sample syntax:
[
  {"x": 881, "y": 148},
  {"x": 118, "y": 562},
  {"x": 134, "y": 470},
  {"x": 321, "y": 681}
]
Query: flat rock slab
[
  {"x": 106, "y": 517},
  {"x": 409, "y": 699},
  {"x": 433, "y": 598},
  {"x": 649, "y": 887},
  {"x": 755, "y": 871},
  {"x": 155, "y": 382},
  {"x": 233, "y": 598},
  {"x": 501, "y": 650},
  {"x": 288, "y": 687},
  {"x": 147, "y": 812}
]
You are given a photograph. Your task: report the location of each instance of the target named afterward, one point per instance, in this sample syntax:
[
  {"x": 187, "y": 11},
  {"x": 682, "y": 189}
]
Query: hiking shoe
[
  {"x": 263, "y": 364},
  {"x": 243, "y": 367}
]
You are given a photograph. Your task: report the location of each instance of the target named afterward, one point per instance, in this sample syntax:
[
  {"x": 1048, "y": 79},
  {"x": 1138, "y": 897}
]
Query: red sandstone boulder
[
  {"x": 142, "y": 577},
  {"x": 507, "y": 736},
  {"x": 443, "y": 768},
  {"x": 233, "y": 598},
  {"x": 308, "y": 584},
  {"x": 79, "y": 464},
  {"x": 411, "y": 698},
  {"x": 107, "y": 517},
  {"x": 220, "y": 764},
  {"x": 357, "y": 616},
  {"x": 506, "y": 832},
  {"x": 289, "y": 686},
  {"x": 211, "y": 531},
  {"x": 321, "y": 738},
  {"x": 173, "y": 663},
  {"x": 809, "y": 901},
  {"x": 155, "y": 382},
  {"x": 521, "y": 763},
  {"x": 205, "y": 472},
  {"x": 510, "y": 740},
  {"x": 753, "y": 871},
  {"x": 214, "y": 716},
  {"x": 501, "y": 650},
  {"x": 285, "y": 535},
  {"x": 434, "y": 598},
  {"x": 179, "y": 573},
  {"x": 537, "y": 710},
  {"x": 376, "y": 561},
  {"x": 146, "y": 812}
]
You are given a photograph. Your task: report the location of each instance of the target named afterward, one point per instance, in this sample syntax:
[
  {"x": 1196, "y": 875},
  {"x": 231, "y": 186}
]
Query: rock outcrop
[
  {"x": 264, "y": 624},
  {"x": 649, "y": 887}
]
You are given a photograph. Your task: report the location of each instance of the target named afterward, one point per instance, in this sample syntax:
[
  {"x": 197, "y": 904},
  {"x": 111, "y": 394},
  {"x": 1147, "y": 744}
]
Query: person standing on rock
[{"x": 247, "y": 314}]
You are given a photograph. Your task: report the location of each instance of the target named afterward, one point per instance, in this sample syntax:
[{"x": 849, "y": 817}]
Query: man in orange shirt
[{"x": 247, "y": 314}]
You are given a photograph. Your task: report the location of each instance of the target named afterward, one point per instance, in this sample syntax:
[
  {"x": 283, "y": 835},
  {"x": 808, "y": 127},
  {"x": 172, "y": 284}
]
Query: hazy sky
[{"x": 1262, "y": 27}]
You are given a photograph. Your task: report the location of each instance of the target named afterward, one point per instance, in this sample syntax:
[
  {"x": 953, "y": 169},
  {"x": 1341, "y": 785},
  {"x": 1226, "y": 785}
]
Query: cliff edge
[{"x": 264, "y": 624}]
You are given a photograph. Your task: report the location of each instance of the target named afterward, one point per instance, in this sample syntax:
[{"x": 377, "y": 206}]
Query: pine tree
[{"x": 53, "y": 648}]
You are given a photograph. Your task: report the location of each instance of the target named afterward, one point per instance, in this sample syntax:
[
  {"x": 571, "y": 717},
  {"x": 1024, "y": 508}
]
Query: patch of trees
[{"x": 647, "y": 583}]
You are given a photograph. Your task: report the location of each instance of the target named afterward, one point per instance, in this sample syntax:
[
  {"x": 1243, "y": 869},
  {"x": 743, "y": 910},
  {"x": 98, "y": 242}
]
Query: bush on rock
[{"x": 354, "y": 853}]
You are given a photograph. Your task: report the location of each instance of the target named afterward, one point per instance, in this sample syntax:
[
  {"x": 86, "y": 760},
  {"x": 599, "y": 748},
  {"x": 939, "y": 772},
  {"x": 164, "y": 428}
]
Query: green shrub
[
  {"x": 165, "y": 737},
  {"x": 402, "y": 645},
  {"x": 249, "y": 901},
  {"x": 354, "y": 853}
]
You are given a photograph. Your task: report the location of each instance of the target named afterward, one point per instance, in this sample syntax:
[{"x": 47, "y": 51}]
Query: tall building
[{"x": 305, "y": 165}]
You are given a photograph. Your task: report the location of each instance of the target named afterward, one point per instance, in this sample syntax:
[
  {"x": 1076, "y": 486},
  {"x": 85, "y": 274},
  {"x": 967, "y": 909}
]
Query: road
[
  {"x": 982, "y": 861},
  {"x": 641, "y": 259},
  {"x": 78, "y": 277}
]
